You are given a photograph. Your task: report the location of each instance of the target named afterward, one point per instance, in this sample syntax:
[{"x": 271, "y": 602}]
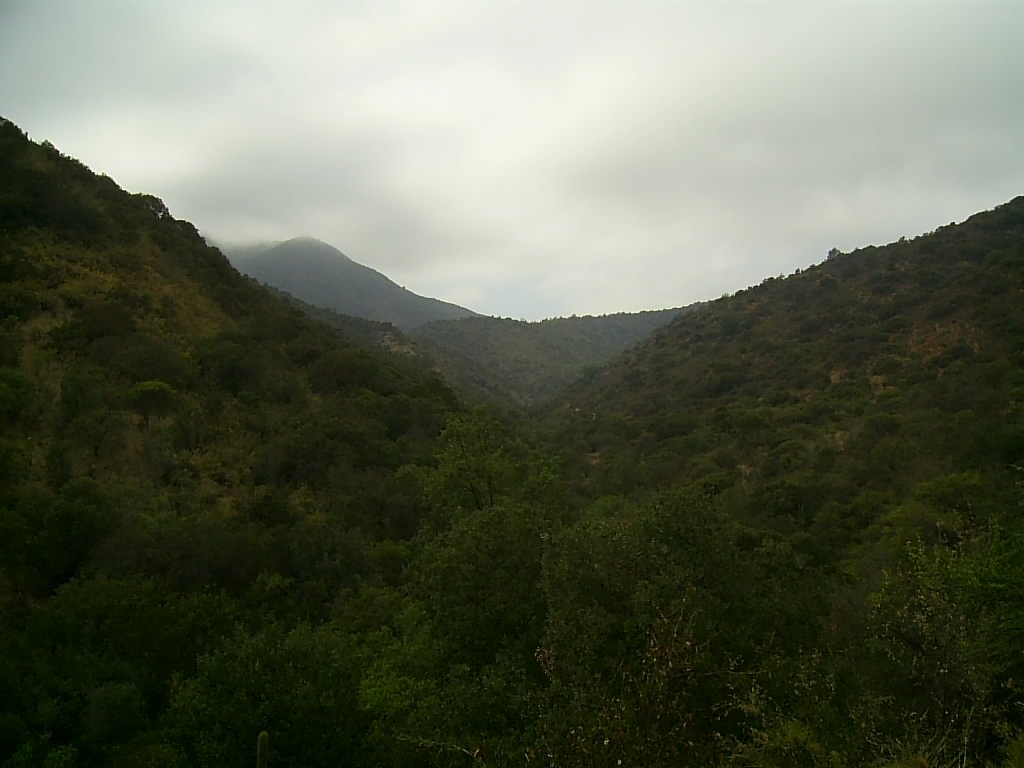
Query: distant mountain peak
[
  {"x": 305, "y": 246},
  {"x": 320, "y": 274}
]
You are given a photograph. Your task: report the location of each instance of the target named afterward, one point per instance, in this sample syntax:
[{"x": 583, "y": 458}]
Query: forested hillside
[
  {"x": 188, "y": 465},
  {"x": 825, "y": 399},
  {"x": 372, "y": 335},
  {"x": 869, "y": 413},
  {"x": 508, "y": 364},
  {"x": 786, "y": 530},
  {"x": 519, "y": 364}
]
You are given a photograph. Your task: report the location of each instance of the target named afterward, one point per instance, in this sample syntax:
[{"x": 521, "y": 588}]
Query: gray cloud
[{"x": 533, "y": 158}]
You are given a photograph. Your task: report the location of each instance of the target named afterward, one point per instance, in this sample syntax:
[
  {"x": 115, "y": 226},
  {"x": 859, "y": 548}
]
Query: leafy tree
[
  {"x": 657, "y": 622},
  {"x": 473, "y": 470},
  {"x": 479, "y": 464},
  {"x": 152, "y": 398},
  {"x": 299, "y": 685}
]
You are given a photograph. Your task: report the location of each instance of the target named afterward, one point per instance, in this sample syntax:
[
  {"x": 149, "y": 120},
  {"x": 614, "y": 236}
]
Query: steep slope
[
  {"x": 145, "y": 349},
  {"x": 834, "y": 400},
  {"x": 320, "y": 274},
  {"x": 518, "y": 363},
  {"x": 184, "y": 458},
  {"x": 93, "y": 274},
  {"x": 371, "y": 335}
]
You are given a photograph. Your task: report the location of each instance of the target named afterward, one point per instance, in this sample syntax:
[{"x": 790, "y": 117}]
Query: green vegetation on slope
[
  {"x": 516, "y": 363},
  {"x": 507, "y": 364},
  {"x": 188, "y": 464},
  {"x": 218, "y": 518},
  {"x": 371, "y": 335},
  {"x": 825, "y": 400},
  {"x": 868, "y": 412}
]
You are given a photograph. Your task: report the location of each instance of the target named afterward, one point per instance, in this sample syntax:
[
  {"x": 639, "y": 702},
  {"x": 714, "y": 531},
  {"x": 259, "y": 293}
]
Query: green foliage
[
  {"x": 474, "y": 469},
  {"x": 252, "y": 489},
  {"x": 342, "y": 370},
  {"x": 1014, "y": 753},
  {"x": 480, "y": 582},
  {"x": 69, "y": 528},
  {"x": 790, "y": 743},
  {"x": 152, "y": 398},
  {"x": 825, "y": 405},
  {"x": 513, "y": 363},
  {"x": 229, "y": 365},
  {"x": 639, "y": 665},
  {"x": 785, "y": 531},
  {"x": 302, "y": 683}
]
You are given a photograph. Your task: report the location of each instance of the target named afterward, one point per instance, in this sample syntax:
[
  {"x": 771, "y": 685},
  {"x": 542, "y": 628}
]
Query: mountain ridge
[
  {"x": 322, "y": 275},
  {"x": 726, "y": 320},
  {"x": 504, "y": 362},
  {"x": 828, "y": 396}
]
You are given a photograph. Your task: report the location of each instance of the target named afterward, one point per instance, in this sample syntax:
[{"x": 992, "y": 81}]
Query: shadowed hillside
[
  {"x": 184, "y": 458},
  {"x": 508, "y": 364},
  {"x": 824, "y": 400},
  {"x": 512, "y": 362}
]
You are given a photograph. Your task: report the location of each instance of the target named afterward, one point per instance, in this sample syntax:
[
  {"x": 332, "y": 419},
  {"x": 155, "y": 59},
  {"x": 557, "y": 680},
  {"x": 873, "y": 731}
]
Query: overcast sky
[{"x": 532, "y": 159}]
